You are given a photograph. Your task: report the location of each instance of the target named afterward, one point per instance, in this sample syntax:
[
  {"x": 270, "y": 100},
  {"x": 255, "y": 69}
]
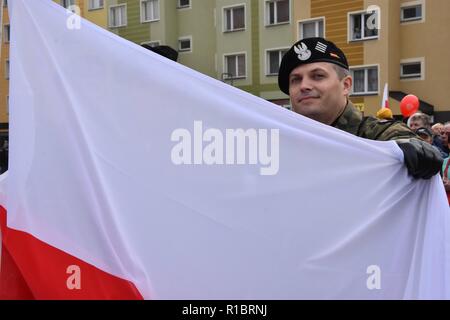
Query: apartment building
[
  {"x": 252, "y": 36},
  {"x": 185, "y": 25}
]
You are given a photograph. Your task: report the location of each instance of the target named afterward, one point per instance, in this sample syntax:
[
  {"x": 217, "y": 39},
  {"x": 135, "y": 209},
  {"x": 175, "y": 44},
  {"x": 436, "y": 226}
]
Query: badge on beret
[
  {"x": 334, "y": 55},
  {"x": 321, "y": 47},
  {"x": 303, "y": 52}
]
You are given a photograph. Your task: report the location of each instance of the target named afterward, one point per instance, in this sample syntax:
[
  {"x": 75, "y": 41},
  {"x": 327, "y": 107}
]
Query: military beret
[
  {"x": 164, "y": 51},
  {"x": 306, "y": 51},
  {"x": 424, "y": 132}
]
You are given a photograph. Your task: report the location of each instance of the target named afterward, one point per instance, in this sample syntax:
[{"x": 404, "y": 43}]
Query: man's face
[
  {"x": 437, "y": 129},
  {"x": 446, "y": 133},
  {"x": 416, "y": 124},
  {"x": 317, "y": 92}
]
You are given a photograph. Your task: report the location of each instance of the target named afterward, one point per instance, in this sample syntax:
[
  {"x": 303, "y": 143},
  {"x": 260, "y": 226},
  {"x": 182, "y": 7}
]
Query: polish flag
[
  {"x": 134, "y": 177},
  {"x": 385, "y": 103}
]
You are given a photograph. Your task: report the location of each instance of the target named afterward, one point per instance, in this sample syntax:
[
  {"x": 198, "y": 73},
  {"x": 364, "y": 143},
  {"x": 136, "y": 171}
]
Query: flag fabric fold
[{"x": 124, "y": 182}]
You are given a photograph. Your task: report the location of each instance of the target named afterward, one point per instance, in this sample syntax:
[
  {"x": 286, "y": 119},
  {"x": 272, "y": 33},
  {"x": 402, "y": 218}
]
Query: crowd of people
[{"x": 438, "y": 136}]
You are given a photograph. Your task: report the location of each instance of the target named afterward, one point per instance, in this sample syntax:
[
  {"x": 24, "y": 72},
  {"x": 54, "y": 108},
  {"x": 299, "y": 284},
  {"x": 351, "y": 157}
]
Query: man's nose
[{"x": 306, "y": 84}]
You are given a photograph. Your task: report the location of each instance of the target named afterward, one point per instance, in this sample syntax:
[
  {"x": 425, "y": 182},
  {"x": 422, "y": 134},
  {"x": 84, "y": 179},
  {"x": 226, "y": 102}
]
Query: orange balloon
[{"x": 409, "y": 105}]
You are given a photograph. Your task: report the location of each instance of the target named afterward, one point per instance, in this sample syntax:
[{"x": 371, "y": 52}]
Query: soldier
[{"x": 315, "y": 74}]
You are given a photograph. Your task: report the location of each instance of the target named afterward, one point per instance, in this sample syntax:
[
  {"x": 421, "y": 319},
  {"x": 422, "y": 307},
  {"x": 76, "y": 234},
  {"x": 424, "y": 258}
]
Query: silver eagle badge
[{"x": 302, "y": 51}]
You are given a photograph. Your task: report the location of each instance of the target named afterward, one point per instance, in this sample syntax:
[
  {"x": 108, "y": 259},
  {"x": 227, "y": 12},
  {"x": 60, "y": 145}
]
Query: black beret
[
  {"x": 424, "y": 132},
  {"x": 164, "y": 51},
  {"x": 306, "y": 51}
]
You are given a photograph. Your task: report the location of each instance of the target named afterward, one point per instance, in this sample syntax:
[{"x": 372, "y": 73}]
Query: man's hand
[{"x": 421, "y": 159}]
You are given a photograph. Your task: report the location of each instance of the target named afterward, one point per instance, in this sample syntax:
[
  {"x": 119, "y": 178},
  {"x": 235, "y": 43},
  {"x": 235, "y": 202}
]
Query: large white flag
[{"x": 133, "y": 165}]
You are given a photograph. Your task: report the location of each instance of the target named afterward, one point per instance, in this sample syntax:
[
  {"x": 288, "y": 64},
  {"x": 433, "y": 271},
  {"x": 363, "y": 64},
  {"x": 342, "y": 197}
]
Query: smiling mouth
[{"x": 307, "y": 98}]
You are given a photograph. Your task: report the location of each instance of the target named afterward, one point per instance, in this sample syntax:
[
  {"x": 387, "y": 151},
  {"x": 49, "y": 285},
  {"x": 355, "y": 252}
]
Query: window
[
  {"x": 234, "y": 18},
  {"x": 118, "y": 16},
  {"x": 185, "y": 44},
  {"x": 183, "y": 4},
  {"x": 67, "y": 3},
  {"x": 7, "y": 32},
  {"x": 360, "y": 27},
  {"x": 7, "y": 69},
  {"x": 277, "y": 11},
  {"x": 365, "y": 80},
  {"x": 411, "y": 69},
  {"x": 149, "y": 10},
  {"x": 95, "y": 4},
  {"x": 273, "y": 61},
  {"x": 311, "y": 29},
  {"x": 234, "y": 67},
  {"x": 411, "y": 11}
]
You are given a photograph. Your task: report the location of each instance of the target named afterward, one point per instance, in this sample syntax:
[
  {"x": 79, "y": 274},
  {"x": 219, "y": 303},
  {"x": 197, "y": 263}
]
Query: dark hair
[{"x": 164, "y": 51}]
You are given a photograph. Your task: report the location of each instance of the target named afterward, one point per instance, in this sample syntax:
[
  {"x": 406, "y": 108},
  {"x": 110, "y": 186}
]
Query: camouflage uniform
[{"x": 352, "y": 121}]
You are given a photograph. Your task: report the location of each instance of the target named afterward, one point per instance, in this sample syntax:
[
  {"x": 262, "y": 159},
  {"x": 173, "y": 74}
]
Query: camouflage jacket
[{"x": 352, "y": 121}]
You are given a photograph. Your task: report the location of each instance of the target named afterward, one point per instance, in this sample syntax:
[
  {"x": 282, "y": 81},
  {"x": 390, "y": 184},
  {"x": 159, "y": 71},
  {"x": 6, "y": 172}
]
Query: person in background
[
  {"x": 419, "y": 120},
  {"x": 437, "y": 129},
  {"x": 439, "y": 136},
  {"x": 425, "y": 134},
  {"x": 446, "y": 176}
]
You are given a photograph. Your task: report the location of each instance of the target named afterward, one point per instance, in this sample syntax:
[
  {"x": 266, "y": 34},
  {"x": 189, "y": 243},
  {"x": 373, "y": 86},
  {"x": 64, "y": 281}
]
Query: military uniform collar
[{"x": 349, "y": 120}]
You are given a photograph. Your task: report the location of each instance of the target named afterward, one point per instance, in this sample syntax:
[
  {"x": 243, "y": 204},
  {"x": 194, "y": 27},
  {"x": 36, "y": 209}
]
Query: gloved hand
[{"x": 421, "y": 158}]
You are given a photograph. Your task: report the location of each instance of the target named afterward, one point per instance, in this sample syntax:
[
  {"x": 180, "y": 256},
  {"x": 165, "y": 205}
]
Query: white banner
[{"x": 136, "y": 165}]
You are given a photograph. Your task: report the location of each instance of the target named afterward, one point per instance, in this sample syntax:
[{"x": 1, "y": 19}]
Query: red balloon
[{"x": 409, "y": 105}]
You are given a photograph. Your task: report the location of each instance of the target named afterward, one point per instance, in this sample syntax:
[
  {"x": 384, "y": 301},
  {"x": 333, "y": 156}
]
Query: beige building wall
[
  {"x": 336, "y": 17},
  {"x": 97, "y": 16},
  {"x": 335, "y": 14},
  {"x": 429, "y": 39},
  {"x": 272, "y": 37},
  {"x": 234, "y": 42},
  {"x": 157, "y": 29},
  {"x": 380, "y": 51},
  {"x": 198, "y": 23},
  {"x": 4, "y": 83},
  {"x": 170, "y": 22},
  {"x": 301, "y": 11}
]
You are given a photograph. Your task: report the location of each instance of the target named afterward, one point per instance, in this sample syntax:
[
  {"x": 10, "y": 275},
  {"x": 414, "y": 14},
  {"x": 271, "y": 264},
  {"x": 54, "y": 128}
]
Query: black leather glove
[{"x": 421, "y": 158}]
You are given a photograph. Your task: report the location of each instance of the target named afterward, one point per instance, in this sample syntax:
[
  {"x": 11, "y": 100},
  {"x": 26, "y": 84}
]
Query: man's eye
[
  {"x": 319, "y": 76},
  {"x": 295, "y": 80}
]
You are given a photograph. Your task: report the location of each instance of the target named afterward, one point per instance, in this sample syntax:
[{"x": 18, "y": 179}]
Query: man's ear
[{"x": 347, "y": 82}]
